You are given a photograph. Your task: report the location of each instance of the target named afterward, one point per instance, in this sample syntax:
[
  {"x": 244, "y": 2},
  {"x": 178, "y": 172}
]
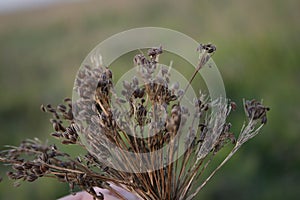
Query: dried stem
[{"x": 149, "y": 118}]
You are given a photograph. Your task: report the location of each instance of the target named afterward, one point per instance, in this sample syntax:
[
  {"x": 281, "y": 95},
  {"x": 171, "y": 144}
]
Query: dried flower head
[{"x": 148, "y": 116}]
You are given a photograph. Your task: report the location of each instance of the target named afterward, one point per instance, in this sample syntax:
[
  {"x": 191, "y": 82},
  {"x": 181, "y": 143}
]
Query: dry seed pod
[
  {"x": 150, "y": 107},
  {"x": 43, "y": 108}
]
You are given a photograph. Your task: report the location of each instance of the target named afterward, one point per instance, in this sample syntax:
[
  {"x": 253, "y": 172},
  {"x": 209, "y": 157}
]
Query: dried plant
[{"x": 142, "y": 102}]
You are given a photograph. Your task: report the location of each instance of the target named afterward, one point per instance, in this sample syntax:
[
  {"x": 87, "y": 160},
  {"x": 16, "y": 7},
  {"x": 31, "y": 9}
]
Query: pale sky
[{"x": 14, "y": 5}]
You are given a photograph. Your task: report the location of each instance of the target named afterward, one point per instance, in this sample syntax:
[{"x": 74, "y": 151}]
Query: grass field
[{"x": 258, "y": 48}]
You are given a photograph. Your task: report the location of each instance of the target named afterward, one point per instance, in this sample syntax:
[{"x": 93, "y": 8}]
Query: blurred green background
[{"x": 258, "y": 54}]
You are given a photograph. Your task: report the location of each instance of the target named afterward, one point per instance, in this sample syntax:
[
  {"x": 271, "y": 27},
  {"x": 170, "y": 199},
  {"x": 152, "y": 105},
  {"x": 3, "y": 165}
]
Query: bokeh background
[{"x": 258, "y": 53}]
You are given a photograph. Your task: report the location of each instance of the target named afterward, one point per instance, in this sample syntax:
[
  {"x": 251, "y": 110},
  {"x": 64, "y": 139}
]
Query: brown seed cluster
[
  {"x": 147, "y": 116},
  {"x": 67, "y": 133},
  {"x": 32, "y": 160},
  {"x": 256, "y": 111}
]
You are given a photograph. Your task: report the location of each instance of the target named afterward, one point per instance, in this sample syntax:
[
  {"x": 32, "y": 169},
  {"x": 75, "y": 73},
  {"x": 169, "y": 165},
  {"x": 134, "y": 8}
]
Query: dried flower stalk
[{"x": 142, "y": 103}]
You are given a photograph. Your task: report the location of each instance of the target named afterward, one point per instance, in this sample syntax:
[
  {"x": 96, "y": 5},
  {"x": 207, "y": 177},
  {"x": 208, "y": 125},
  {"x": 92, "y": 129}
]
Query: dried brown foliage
[{"x": 33, "y": 159}]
